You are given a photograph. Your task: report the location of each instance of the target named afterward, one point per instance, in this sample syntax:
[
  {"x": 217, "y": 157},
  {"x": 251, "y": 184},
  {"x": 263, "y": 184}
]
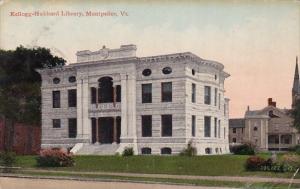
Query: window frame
[
  {"x": 56, "y": 99},
  {"x": 146, "y": 127},
  {"x": 166, "y": 96},
  {"x": 146, "y": 96},
  {"x": 72, "y": 102},
  {"x": 166, "y": 129},
  {"x": 207, "y": 126},
  {"x": 207, "y": 95},
  {"x": 56, "y": 123},
  {"x": 74, "y": 133},
  {"x": 194, "y": 92}
]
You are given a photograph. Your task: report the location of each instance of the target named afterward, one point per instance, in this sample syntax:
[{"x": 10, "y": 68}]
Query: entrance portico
[{"x": 106, "y": 130}]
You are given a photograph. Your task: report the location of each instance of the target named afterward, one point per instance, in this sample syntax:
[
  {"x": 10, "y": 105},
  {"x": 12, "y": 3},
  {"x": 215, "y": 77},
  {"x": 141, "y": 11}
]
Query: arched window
[
  {"x": 167, "y": 70},
  {"x": 56, "y": 80},
  {"x": 208, "y": 150},
  {"x": 146, "y": 150},
  {"x": 166, "y": 151},
  {"x": 72, "y": 79},
  {"x": 105, "y": 92},
  {"x": 146, "y": 72}
]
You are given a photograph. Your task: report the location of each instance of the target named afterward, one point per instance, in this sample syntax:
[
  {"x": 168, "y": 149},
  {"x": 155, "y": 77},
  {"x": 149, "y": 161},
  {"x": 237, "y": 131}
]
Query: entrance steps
[{"x": 95, "y": 149}]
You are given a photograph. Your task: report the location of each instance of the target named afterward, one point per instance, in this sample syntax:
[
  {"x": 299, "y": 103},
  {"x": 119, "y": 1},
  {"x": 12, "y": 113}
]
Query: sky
[{"x": 257, "y": 41}]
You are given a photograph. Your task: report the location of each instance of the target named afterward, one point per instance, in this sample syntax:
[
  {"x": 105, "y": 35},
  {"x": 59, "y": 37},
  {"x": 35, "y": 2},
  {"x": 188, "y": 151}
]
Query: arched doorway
[{"x": 105, "y": 91}]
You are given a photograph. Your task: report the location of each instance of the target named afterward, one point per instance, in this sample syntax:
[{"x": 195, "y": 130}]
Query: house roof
[{"x": 237, "y": 123}]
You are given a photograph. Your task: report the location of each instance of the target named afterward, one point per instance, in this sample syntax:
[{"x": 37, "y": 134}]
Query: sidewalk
[{"x": 187, "y": 177}]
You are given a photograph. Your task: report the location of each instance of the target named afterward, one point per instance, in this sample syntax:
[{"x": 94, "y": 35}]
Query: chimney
[{"x": 271, "y": 102}]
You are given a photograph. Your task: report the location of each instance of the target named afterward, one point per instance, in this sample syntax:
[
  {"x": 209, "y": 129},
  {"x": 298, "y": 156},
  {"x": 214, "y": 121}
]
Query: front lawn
[{"x": 231, "y": 165}]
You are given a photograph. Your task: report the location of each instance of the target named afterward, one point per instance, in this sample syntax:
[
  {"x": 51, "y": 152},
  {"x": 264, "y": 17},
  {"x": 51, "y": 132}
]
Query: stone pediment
[
  {"x": 277, "y": 113},
  {"x": 125, "y": 51}
]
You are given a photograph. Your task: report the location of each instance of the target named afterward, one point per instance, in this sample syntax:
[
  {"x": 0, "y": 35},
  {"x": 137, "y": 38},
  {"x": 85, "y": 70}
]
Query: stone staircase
[{"x": 97, "y": 149}]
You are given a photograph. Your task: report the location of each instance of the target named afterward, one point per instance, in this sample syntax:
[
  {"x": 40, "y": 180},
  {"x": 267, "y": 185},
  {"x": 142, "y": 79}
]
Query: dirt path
[
  {"x": 219, "y": 178},
  {"x": 29, "y": 183}
]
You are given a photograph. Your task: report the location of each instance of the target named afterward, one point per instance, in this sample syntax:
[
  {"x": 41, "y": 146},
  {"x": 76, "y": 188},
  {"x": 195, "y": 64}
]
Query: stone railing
[{"x": 106, "y": 107}]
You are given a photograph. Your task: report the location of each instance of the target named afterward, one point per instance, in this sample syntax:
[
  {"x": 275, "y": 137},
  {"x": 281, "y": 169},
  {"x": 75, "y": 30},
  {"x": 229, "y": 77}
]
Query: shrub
[
  {"x": 7, "y": 158},
  {"x": 295, "y": 149},
  {"x": 55, "y": 158},
  {"x": 243, "y": 149},
  {"x": 189, "y": 151},
  {"x": 128, "y": 151},
  {"x": 291, "y": 160},
  {"x": 255, "y": 163}
]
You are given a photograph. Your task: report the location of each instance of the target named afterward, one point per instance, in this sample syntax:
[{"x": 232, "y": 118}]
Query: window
[
  {"x": 167, "y": 70},
  {"x": 93, "y": 95},
  {"x": 56, "y": 99},
  {"x": 166, "y": 124},
  {"x": 242, "y": 130},
  {"x": 147, "y": 93},
  {"x": 118, "y": 93},
  {"x": 206, "y": 126},
  {"x": 224, "y": 132},
  {"x": 56, "y": 80},
  {"x": 216, "y": 96},
  {"x": 166, "y": 92},
  {"x": 255, "y": 128},
  {"x": 219, "y": 130},
  {"x": 72, "y": 128},
  {"x": 193, "y": 125},
  {"x": 166, "y": 151},
  {"x": 207, "y": 95},
  {"x": 72, "y": 97},
  {"x": 193, "y": 72},
  {"x": 72, "y": 79},
  {"x": 234, "y": 140},
  {"x": 146, "y": 72},
  {"x": 216, "y": 121},
  {"x": 234, "y": 130},
  {"x": 193, "y": 92},
  {"x": 208, "y": 150},
  {"x": 146, "y": 150},
  {"x": 56, "y": 123},
  {"x": 146, "y": 126}
]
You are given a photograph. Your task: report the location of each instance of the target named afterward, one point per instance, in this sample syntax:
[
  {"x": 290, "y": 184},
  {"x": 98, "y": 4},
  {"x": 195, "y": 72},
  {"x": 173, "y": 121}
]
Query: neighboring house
[
  {"x": 270, "y": 128},
  {"x": 20, "y": 138},
  {"x": 111, "y": 99}
]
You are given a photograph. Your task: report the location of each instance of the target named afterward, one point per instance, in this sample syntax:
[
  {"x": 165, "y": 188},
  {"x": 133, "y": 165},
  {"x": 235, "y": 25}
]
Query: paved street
[{"x": 25, "y": 183}]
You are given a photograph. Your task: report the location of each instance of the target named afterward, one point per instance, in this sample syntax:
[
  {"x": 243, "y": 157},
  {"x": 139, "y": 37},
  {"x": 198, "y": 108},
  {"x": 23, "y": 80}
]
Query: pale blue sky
[{"x": 257, "y": 42}]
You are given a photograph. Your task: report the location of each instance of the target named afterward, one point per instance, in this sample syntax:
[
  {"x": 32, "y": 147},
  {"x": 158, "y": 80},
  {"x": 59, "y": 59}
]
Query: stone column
[
  {"x": 79, "y": 108},
  {"x": 97, "y": 130},
  {"x": 124, "y": 133},
  {"x": 97, "y": 98},
  {"x": 115, "y": 130},
  {"x": 86, "y": 123},
  {"x": 131, "y": 122}
]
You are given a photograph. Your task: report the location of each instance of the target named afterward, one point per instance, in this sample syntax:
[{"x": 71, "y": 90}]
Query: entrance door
[{"x": 106, "y": 130}]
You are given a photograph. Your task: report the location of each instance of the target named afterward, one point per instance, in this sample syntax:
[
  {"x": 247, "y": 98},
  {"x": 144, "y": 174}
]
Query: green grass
[
  {"x": 234, "y": 184},
  {"x": 230, "y": 165}
]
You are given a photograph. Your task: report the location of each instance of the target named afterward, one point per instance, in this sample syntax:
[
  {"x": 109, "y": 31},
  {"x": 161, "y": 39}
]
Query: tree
[
  {"x": 296, "y": 115},
  {"x": 20, "y": 95}
]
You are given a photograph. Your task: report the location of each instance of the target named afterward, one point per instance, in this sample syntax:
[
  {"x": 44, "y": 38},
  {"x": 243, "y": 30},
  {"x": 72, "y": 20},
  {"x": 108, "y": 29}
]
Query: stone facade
[{"x": 116, "y": 120}]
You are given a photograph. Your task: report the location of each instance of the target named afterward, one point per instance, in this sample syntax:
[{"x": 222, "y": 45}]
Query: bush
[
  {"x": 254, "y": 163},
  {"x": 295, "y": 149},
  {"x": 128, "y": 152},
  {"x": 8, "y": 159},
  {"x": 55, "y": 158},
  {"x": 243, "y": 149},
  {"x": 189, "y": 151}
]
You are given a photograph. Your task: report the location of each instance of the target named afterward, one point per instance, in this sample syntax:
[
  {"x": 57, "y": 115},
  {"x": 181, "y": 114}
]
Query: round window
[
  {"x": 56, "y": 80},
  {"x": 146, "y": 72},
  {"x": 193, "y": 72},
  {"x": 167, "y": 70},
  {"x": 72, "y": 79}
]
